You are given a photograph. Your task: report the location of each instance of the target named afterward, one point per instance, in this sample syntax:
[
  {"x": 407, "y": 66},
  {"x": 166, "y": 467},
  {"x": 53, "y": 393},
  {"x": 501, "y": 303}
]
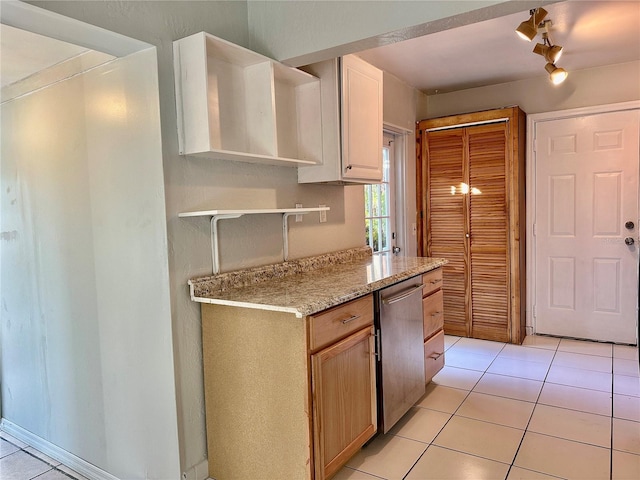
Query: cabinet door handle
[
  {"x": 435, "y": 355},
  {"x": 436, "y": 314},
  {"x": 350, "y": 319}
]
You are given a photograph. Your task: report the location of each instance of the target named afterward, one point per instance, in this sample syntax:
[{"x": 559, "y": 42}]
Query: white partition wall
[{"x": 87, "y": 359}]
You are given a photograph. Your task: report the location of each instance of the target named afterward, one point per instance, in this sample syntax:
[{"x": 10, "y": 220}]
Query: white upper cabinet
[
  {"x": 235, "y": 104},
  {"x": 351, "y": 92}
]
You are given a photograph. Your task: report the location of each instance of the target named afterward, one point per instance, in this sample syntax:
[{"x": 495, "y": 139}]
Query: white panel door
[{"x": 586, "y": 191}]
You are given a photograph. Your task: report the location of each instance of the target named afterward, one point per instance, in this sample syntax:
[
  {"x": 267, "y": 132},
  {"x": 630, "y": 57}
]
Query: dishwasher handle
[{"x": 403, "y": 295}]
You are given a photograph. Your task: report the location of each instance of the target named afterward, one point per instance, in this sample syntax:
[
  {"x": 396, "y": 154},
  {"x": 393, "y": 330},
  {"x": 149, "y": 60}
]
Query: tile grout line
[
  {"x": 445, "y": 423},
  {"x": 526, "y": 429},
  {"x": 612, "y": 414}
]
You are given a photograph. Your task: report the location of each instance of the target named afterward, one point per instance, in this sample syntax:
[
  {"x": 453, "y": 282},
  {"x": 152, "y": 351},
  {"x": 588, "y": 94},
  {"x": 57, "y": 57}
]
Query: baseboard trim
[
  {"x": 197, "y": 472},
  {"x": 69, "y": 459}
]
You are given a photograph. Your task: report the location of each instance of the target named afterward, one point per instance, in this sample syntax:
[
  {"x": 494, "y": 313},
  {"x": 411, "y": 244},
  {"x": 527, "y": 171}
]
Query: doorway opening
[{"x": 385, "y": 203}]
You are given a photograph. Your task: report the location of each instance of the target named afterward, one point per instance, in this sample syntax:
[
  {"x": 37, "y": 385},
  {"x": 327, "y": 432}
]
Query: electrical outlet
[
  {"x": 323, "y": 214},
  {"x": 298, "y": 217}
]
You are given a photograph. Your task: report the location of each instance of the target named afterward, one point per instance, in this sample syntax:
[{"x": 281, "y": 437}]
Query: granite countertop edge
[{"x": 274, "y": 287}]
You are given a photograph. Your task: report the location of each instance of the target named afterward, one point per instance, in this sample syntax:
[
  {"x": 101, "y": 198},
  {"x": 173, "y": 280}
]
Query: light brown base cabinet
[
  {"x": 433, "y": 318},
  {"x": 287, "y": 397},
  {"x": 472, "y": 207}
]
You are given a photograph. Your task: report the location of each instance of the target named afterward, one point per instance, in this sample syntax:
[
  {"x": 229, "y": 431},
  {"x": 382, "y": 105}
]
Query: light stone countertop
[{"x": 308, "y": 286}]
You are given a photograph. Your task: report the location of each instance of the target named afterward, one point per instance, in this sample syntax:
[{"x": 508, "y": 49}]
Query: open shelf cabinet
[{"x": 235, "y": 104}]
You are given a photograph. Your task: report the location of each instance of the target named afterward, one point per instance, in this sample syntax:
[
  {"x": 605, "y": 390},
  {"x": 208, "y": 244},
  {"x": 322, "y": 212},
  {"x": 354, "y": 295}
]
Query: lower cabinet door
[
  {"x": 344, "y": 401},
  {"x": 433, "y": 355}
]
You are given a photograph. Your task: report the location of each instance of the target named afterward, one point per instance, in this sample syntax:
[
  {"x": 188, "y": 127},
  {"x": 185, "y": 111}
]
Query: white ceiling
[{"x": 593, "y": 34}]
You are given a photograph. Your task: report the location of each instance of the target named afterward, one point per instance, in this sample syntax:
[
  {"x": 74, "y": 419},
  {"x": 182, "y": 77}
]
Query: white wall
[
  {"x": 583, "y": 88},
  {"x": 86, "y": 322}
]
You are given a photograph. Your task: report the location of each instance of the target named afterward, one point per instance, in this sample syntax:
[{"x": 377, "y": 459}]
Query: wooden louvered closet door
[
  {"x": 470, "y": 184},
  {"x": 447, "y": 223},
  {"x": 488, "y": 227}
]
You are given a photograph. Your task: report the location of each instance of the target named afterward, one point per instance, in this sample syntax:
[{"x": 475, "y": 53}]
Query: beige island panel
[{"x": 257, "y": 395}]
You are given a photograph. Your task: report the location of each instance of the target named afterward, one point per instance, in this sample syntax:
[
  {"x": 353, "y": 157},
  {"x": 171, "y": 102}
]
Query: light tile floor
[
  {"x": 551, "y": 408},
  {"x": 19, "y": 461},
  {"x": 548, "y": 409}
]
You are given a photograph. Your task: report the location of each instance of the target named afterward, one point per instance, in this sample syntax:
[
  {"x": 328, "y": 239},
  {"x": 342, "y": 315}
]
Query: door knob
[
  {"x": 629, "y": 241},
  {"x": 396, "y": 249},
  {"x": 629, "y": 225}
]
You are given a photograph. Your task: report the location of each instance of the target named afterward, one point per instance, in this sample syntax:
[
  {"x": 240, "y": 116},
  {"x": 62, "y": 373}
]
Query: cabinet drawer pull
[
  {"x": 437, "y": 280},
  {"x": 436, "y": 314},
  {"x": 435, "y": 355},
  {"x": 350, "y": 319}
]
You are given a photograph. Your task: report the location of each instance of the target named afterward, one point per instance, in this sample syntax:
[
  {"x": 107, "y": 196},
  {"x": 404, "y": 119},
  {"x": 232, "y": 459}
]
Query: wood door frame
[
  {"x": 401, "y": 156},
  {"x": 532, "y": 121}
]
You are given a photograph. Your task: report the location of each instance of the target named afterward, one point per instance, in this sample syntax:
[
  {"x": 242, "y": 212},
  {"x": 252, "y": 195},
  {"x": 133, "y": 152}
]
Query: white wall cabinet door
[
  {"x": 351, "y": 97},
  {"x": 362, "y": 119},
  {"x": 586, "y": 192}
]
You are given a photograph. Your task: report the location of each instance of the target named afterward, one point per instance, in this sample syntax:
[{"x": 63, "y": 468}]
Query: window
[{"x": 378, "y": 211}]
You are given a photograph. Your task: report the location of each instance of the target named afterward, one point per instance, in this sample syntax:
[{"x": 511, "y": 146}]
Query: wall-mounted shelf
[
  {"x": 235, "y": 104},
  {"x": 217, "y": 215}
]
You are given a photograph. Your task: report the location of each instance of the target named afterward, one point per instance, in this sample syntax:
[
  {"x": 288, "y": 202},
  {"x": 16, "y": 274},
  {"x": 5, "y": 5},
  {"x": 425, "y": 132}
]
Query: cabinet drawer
[
  {"x": 432, "y": 281},
  {"x": 337, "y": 322},
  {"x": 433, "y": 356},
  {"x": 432, "y": 307}
]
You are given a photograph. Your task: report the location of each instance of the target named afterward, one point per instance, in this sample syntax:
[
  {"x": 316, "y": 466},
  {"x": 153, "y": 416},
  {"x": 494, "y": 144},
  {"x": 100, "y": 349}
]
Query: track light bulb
[
  {"x": 529, "y": 28},
  {"x": 557, "y": 75}
]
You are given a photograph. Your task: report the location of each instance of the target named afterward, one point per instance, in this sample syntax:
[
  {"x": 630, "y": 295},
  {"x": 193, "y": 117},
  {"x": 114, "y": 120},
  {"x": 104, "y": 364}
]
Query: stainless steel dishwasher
[{"x": 400, "y": 350}]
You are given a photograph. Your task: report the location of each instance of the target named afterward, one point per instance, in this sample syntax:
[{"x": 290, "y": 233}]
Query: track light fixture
[
  {"x": 529, "y": 28},
  {"x": 551, "y": 53}
]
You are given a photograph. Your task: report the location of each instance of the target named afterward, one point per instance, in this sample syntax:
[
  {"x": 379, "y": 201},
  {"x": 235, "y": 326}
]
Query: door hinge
[
  {"x": 535, "y": 311},
  {"x": 535, "y": 229}
]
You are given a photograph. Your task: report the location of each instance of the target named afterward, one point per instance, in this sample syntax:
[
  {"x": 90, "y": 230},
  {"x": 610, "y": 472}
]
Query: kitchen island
[{"x": 289, "y": 362}]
